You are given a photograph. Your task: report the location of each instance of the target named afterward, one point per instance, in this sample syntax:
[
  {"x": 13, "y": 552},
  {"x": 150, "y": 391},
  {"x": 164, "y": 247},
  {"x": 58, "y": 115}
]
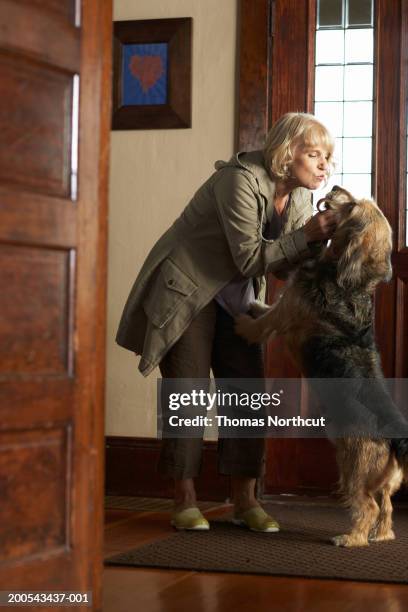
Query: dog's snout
[{"x": 332, "y": 191}]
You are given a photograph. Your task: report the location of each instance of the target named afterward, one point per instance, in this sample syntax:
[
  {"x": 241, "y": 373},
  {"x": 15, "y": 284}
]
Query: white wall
[{"x": 153, "y": 174}]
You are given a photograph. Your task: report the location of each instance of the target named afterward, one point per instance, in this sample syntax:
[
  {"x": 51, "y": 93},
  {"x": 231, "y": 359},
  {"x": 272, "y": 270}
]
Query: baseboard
[{"x": 131, "y": 469}]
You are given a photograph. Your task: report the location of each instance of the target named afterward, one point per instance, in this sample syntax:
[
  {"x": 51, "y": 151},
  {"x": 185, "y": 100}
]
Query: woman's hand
[{"x": 321, "y": 226}]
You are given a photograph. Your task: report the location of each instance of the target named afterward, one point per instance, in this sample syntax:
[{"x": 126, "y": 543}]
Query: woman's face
[{"x": 310, "y": 166}]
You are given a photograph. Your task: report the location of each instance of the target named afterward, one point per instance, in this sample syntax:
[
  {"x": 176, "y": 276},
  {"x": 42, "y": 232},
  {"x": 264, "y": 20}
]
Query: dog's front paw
[
  {"x": 258, "y": 308},
  {"x": 347, "y": 541},
  {"x": 340, "y": 540},
  {"x": 246, "y": 327}
]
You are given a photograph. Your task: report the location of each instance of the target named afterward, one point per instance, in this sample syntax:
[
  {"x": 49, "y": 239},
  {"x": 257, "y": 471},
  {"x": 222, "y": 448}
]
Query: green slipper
[
  {"x": 191, "y": 519},
  {"x": 256, "y": 519}
]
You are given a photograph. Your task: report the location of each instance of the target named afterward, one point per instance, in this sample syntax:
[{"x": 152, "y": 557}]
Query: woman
[{"x": 252, "y": 216}]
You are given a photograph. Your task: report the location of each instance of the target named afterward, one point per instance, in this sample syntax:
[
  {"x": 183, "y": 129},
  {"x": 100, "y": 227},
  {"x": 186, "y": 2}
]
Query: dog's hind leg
[
  {"x": 383, "y": 529},
  {"x": 364, "y": 513}
]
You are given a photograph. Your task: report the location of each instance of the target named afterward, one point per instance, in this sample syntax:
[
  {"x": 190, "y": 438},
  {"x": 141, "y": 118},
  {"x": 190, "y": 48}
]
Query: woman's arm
[{"x": 240, "y": 216}]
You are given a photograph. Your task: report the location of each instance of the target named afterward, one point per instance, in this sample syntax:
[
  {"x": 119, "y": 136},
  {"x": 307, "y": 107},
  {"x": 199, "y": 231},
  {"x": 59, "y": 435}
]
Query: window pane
[
  {"x": 336, "y": 179},
  {"x": 359, "y": 185},
  {"x": 331, "y": 115},
  {"x": 338, "y": 155},
  {"x": 329, "y": 83},
  {"x": 359, "y": 45},
  {"x": 360, "y": 12},
  {"x": 330, "y": 13},
  {"x": 344, "y": 90},
  {"x": 330, "y": 47},
  {"x": 358, "y": 119},
  {"x": 357, "y": 155},
  {"x": 358, "y": 83}
]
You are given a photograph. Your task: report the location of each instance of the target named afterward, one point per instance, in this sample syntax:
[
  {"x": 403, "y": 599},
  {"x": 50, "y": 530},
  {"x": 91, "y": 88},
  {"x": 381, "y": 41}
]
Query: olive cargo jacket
[{"x": 216, "y": 237}]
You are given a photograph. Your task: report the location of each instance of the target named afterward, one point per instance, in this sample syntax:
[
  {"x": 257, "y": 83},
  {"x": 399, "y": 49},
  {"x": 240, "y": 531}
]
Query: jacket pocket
[{"x": 167, "y": 293}]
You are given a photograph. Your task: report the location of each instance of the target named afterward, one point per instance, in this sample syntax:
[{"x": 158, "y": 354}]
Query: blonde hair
[{"x": 286, "y": 134}]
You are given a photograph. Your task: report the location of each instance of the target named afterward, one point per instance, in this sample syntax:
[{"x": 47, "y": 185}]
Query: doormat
[{"x": 301, "y": 548}]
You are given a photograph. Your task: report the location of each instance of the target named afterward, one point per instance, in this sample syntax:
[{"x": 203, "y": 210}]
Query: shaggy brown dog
[{"x": 325, "y": 315}]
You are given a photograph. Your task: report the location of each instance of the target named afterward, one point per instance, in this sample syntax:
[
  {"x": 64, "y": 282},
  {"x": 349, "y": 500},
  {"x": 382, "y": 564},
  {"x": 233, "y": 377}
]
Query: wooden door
[
  {"x": 276, "y": 76},
  {"x": 55, "y": 119},
  {"x": 390, "y": 185}
]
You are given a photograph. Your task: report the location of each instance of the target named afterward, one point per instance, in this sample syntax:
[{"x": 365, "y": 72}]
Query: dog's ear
[
  {"x": 350, "y": 268},
  {"x": 363, "y": 246},
  {"x": 348, "y": 244}
]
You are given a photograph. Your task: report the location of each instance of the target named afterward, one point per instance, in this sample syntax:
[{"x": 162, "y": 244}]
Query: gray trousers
[{"x": 210, "y": 342}]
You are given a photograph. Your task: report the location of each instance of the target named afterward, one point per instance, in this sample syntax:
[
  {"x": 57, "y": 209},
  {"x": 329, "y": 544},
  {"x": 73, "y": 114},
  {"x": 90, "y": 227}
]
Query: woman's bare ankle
[
  {"x": 242, "y": 505},
  {"x": 184, "y": 494},
  {"x": 244, "y": 496}
]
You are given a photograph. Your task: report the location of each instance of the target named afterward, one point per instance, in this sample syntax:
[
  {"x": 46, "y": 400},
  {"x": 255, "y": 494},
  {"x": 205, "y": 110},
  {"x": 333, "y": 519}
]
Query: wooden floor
[{"x": 154, "y": 590}]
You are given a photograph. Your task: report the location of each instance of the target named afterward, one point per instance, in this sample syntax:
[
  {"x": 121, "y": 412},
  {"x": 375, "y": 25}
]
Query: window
[{"x": 343, "y": 95}]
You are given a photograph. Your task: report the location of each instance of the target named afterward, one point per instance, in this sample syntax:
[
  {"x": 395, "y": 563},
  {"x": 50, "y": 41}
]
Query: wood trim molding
[
  {"x": 291, "y": 58},
  {"x": 254, "y": 73},
  {"x": 390, "y": 122},
  {"x": 131, "y": 469}
]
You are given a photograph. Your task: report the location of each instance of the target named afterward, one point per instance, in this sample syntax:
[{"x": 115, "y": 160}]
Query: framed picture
[{"x": 152, "y": 74}]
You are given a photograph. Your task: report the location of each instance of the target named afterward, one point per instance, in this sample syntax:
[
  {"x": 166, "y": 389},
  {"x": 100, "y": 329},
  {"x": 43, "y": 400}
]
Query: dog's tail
[{"x": 400, "y": 448}]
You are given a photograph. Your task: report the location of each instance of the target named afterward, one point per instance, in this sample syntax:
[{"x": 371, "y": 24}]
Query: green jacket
[{"x": 218, "y": 234}]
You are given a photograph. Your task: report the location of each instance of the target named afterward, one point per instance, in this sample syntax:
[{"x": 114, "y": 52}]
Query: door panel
[
  {"x": 66, "y": 9},
  {"x": 42, "y": 455},
  {"x": 37, "y": 140},
  {"x": 36, "y": 281},
  {"x": 55, "y": 112}
]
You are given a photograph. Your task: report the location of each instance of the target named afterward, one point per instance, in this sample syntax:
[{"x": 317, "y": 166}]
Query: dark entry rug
[{"x": 301, "y": 548}]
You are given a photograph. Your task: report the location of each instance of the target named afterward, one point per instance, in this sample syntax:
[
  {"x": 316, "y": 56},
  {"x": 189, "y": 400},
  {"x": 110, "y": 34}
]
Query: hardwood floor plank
[
  {"x": 127, "y": 532},
  {"x": 173, "y": 591},
  {"x": 114, "y": 516},
  {"x": 139, "y": 529},
  {"x": 128, "y": 589}
]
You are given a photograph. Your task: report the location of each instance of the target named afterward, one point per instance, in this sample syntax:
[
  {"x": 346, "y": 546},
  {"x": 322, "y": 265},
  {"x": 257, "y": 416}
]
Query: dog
[{"x": 325, "y": 315}]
